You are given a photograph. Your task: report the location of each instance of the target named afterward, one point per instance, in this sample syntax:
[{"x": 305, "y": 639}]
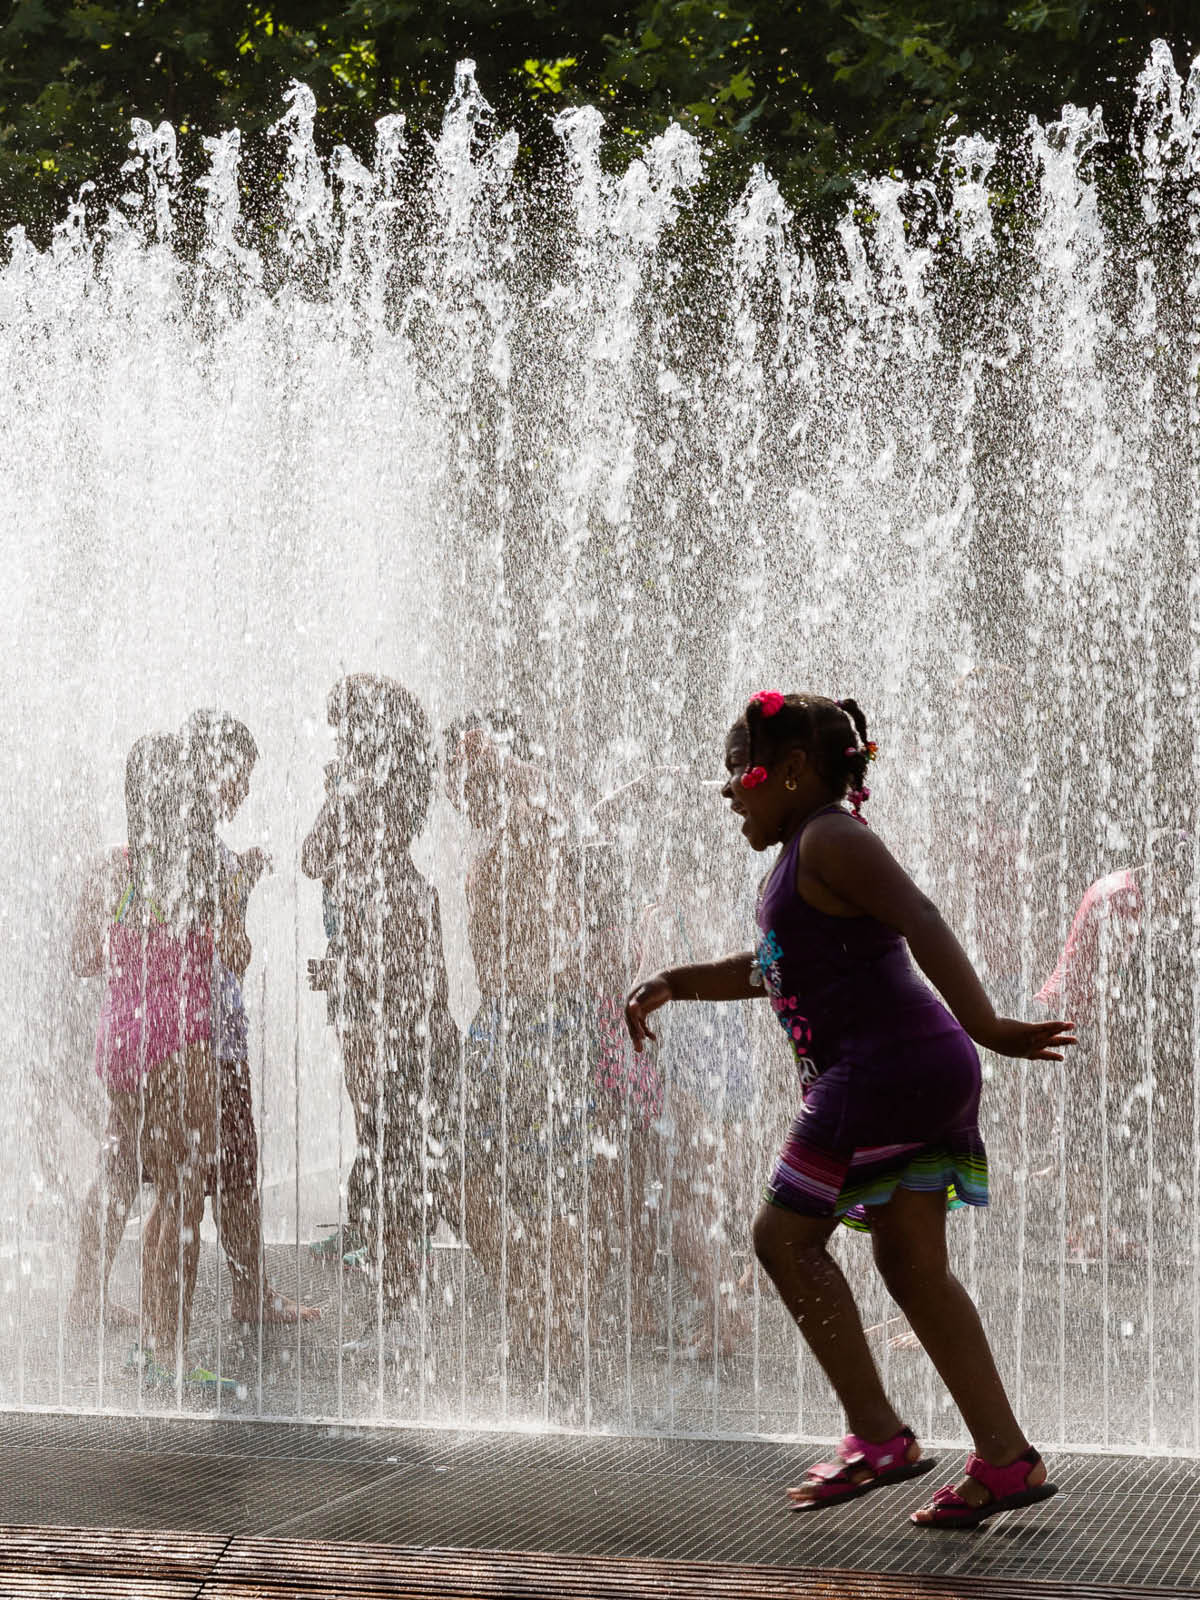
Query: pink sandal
[
  {"x": 887, "y": 1463},
  {"x": 1009, "y": 1488}
]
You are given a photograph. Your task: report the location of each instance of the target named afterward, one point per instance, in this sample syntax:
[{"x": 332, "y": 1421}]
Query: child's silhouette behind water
[
  {"x": 221, "y": 755},
  {"x": 385, "y": 978},
  {"x": 530, "y": 1051},
  {"x": 705, "y": 1065},
  {"x": 146, "y": 923}
]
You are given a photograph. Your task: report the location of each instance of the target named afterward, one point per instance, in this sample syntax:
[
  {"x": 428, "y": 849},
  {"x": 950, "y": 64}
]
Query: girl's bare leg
[
  {"x": 518, "y": 1238},
  {"x": 909, "y": 1239},
  {"x": 792, "y": 1251},
  {"x": 181, "y": 1120},
  {"x": 160, "y": 1268},
  {"x": 192, "y": 1215},
  {"x": 150, "y": 1235},
  {"x": 241, "y": 1239},
  {"x": 708, "y": 1264},
  {"x": 643, "y": 1233},
  {"x": 525, "y": 1287},
  {"x": 530, "y": 1306},
  {"x": 239, "y": 1211},
  {"x": 171, "y": 1267},
  {"x": 102, "y": 1223}
]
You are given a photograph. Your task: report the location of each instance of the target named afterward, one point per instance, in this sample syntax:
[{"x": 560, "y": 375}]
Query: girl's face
[
  {"x": 482, "y": 786},
  {"x": 356, "y": 744},
  {"x": 768, "y": 809},
  {"x": 234, "y": 786}
]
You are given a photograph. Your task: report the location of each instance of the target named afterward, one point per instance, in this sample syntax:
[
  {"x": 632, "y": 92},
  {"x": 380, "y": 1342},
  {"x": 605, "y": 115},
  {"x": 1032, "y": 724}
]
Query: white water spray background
[{"x": 589, "y": 450}]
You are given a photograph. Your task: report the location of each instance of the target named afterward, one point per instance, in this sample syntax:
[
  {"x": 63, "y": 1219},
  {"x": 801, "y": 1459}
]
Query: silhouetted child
[
  {"x": 887, "y": 1133},
  {"x": 147, "y": 923},
  {"x": 628, "y": 1087},
  {"x": 221, "y": 756},
  {"x": 529, "y": 1056},
  {"x": 385, "y": 976}
]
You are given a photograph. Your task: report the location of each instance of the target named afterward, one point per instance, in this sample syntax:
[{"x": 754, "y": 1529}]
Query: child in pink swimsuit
[{"x": 153, "y": 1046}]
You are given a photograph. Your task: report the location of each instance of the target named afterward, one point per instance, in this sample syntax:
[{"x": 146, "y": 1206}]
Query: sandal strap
[
  {"x": 878, "y": 1457},
  {"x": 856, "y": 1454},
  {"x": 1000, "y": 1482},
  {"x": 949, "y": 1499},
  {"x": 830, "y": 1472}
]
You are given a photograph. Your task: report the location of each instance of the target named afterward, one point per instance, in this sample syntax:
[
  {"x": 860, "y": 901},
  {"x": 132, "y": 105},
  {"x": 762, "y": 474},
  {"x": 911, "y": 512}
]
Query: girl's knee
[
  {"x": 764, "y": 1233},
  {"x": 785, "y": 1241}
]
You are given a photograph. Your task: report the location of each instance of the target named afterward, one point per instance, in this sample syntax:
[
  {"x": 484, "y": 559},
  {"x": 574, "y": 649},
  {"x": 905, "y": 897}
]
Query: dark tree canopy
[{"x": 819, "y": 90}]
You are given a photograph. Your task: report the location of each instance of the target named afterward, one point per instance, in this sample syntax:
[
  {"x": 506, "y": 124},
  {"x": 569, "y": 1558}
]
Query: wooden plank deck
[{"x": 125, "y": 1564}]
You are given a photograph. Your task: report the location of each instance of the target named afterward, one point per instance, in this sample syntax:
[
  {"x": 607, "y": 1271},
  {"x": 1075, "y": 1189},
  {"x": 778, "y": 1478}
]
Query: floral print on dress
[{"x": 769, "y": 957}]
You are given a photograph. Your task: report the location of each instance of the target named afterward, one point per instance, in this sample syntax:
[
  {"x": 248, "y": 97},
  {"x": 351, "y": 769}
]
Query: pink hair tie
[
  {"x": 769, "y": 701},
  {"x": 755, "y": 776},
  {"x": 850, "y": 750}
]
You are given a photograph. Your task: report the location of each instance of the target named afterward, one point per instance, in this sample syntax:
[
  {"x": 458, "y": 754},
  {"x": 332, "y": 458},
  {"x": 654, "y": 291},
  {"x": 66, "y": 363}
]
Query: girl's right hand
[
  {"x": 1028, "y": 1041},
  {"x": 255, "y": 861},
  {"x": 644, "y": 998}
]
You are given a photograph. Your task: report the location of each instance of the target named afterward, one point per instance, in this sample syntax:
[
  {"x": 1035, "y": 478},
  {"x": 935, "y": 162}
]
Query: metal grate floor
[{"x": 1121, "y": 1524}]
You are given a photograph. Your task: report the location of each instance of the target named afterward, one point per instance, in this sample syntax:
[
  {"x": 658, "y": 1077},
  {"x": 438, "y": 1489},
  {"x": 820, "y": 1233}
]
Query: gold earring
[{"x": 789, "y": 783}]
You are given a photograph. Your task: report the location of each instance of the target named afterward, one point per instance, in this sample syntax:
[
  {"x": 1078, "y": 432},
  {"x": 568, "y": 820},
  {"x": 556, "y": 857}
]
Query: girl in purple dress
[{"x": 887, "y": 1135}]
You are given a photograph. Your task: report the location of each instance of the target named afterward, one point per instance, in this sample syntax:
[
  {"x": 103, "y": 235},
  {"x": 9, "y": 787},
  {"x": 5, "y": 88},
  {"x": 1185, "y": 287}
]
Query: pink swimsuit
[{"x": 157, "y": 1000}]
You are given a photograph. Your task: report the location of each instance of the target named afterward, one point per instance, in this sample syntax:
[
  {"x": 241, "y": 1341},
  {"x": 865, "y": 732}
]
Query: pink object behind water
[
  {"x": 157, "y": 1000},
  {"x": 1115, "y": 901},
  {"x": 620, "y": 1072}
]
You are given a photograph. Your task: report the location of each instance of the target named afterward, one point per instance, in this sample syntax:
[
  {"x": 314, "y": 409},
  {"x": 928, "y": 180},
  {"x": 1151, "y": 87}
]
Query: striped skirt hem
[{"x": 871, "y": 1177}]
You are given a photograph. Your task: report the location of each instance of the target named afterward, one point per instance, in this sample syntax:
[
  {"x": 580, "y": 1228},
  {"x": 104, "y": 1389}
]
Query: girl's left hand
[{"x": 1028, "y": 1041}]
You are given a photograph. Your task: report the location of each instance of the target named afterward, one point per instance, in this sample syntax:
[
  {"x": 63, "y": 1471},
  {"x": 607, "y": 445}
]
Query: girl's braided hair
[{"x": 832, "y": 734}]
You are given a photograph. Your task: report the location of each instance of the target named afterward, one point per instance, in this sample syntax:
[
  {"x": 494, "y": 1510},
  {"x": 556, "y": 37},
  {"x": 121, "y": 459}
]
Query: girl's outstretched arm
[
  {"x": 858, "y": 868},
  {"x": 321, "y": 842},
  {"x": 726, "y": 979}
]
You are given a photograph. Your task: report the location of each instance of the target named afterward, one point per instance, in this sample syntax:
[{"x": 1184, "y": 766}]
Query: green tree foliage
[
  {"x": 826, "y": 89},
  {"x": 818, "y": 89}
]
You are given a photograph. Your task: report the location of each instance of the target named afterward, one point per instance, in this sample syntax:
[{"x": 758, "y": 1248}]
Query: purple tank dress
[{"x": 889, "y": 1079}]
